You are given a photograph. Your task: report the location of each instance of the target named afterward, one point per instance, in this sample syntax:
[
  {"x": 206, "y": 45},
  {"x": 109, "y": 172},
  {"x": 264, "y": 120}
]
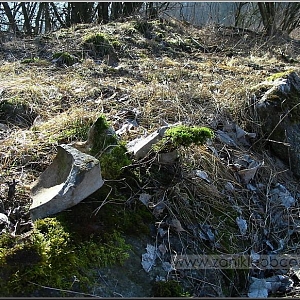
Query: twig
[{"x": 62, "y": 290}]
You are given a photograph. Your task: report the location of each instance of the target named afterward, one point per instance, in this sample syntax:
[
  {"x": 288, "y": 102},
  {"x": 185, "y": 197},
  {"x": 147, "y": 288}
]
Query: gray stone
[
  {"x": 140, "y": 147},
  {"x": 278, "y": 112},
  {"x": 70, "y": 178},
  {"x": 3, "y": 219},
  {"x": 168, "y": 157}
]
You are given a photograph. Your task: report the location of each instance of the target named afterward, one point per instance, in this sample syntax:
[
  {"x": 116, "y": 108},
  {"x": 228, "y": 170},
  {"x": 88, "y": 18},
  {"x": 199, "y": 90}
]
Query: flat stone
[
  {"x": 140, "y": 147},
  {"x": 71, "y": 178}
]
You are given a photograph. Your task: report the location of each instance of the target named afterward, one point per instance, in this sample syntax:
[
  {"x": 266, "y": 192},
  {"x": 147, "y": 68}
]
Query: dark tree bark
[
  {"x": 10, "y": 18},
  {"x": 279, "y": 18},
  {"x": 48, "y": 25},
  {"x": 38, "y": 18},
  {"x": 57, "y": 15},
  {"x": 81, "y": 12},
  {"x": 27, "y": 25},
  {"x": 267, "y": 12},
  {"x": 116, "y": 10},
  {"x": 291, "y": 18},
  {"x": 131, "y": 7},
  {"x": 238, "y": 13},
  {"x": 102, "y": 10}
]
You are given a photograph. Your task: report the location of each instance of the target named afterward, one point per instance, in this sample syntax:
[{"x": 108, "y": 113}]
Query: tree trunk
[
  {"x": 291, "y": 17},
  {"x": 116, "y": 10},
  {"x": 27, "y": 25},
  {"x": 60, "y": 21},
  {"x": 38, "y": 18},
  {"x": 130, "y": 7},
  {"x": 81, "y": 12},
  {"x": 102, "y": 8},
  {"x": 267, "y": 12},
  {"x": 238, "y": 14},
  {"x": 48, "y": 26},
  {"x": 10, "y": 18}
]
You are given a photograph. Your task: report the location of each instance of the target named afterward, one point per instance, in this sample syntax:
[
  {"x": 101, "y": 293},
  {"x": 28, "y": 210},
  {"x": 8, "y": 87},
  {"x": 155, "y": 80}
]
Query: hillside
[{"x": 142, "y": 75}]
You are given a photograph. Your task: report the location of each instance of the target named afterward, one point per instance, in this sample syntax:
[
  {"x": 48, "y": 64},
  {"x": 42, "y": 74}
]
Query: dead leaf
[
  {"x": 168, "y": 267},
  {"x": 248, "y": 174},
  {"x": 148, "y": 259},
  {"x": 203, "y": 175},
  {"x": 242, "y": 225},
  {"x": 258, "y": 288},
  {"x": 176, "y": 225},
  {"x": 145, "y": 198},
  {"x": 162, "y": 248}
]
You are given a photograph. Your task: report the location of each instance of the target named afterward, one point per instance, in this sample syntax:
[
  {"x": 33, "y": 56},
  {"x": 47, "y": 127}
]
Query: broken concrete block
[
  {"x": 140, "y": 147},
  {"x": 70, "y": 178}
]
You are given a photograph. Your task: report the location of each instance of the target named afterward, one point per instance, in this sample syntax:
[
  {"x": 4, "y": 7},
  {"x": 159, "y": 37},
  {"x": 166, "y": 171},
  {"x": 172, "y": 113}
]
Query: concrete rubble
[{"x": 71, "y": 178}]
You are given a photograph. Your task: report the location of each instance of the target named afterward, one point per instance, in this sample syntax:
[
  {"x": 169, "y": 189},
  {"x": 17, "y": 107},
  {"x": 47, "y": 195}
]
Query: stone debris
[
  {"x": 242, "y": 224},
  {"x": 280, "y": 195},
  {"x": 148, "y": 258},
  {"x": 71, "y": 178},
  {"x": 278, "y": 113},
  {"x": 140, "y": 147}
]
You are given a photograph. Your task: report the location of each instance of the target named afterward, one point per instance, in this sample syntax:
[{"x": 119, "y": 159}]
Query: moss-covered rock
[
  {"x": 183, "y": 135},
  {"x": 99, "y": 44},
  {"x": 64, "y": 58},
  {"x": 105, "y": 145},
  {"x": 113, "y": 162}
]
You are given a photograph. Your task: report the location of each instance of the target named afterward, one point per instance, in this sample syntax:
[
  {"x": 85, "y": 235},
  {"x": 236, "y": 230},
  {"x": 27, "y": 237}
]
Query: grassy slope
[{"x": 196, "y": 76}]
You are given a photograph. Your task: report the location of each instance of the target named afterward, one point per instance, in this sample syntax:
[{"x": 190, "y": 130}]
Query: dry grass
[{"x": 159, "y": 85}]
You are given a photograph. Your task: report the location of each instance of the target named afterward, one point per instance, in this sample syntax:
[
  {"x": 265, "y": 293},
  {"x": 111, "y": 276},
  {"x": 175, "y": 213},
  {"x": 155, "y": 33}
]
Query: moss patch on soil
[{"x": 51, "y": 256}]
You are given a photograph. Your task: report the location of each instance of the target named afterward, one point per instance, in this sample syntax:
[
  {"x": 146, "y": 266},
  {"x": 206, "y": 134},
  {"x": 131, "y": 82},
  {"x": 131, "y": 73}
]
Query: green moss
[
  {"x": 92, "y": 216},
  {"x": 113, "y": 161},
  {"x": 101, "y": 137},
  {"x": 183, "y": 135},
  {"x": 35, "y": 61},
  {"x": 131, "y": 221},
  {"x": 169, "y": 288},
  {"x": 65, "y": 58},
  {"x": 111, "y": 153},
  {"x": 51, "y": 256},
  {"x": 280, "y": 75},
  {"x": 99, "y": 43},
  {"x": 111, "y": 249}
]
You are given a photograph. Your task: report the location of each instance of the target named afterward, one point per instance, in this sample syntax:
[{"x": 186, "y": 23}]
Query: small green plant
[{"x": 183, "y": 135}]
